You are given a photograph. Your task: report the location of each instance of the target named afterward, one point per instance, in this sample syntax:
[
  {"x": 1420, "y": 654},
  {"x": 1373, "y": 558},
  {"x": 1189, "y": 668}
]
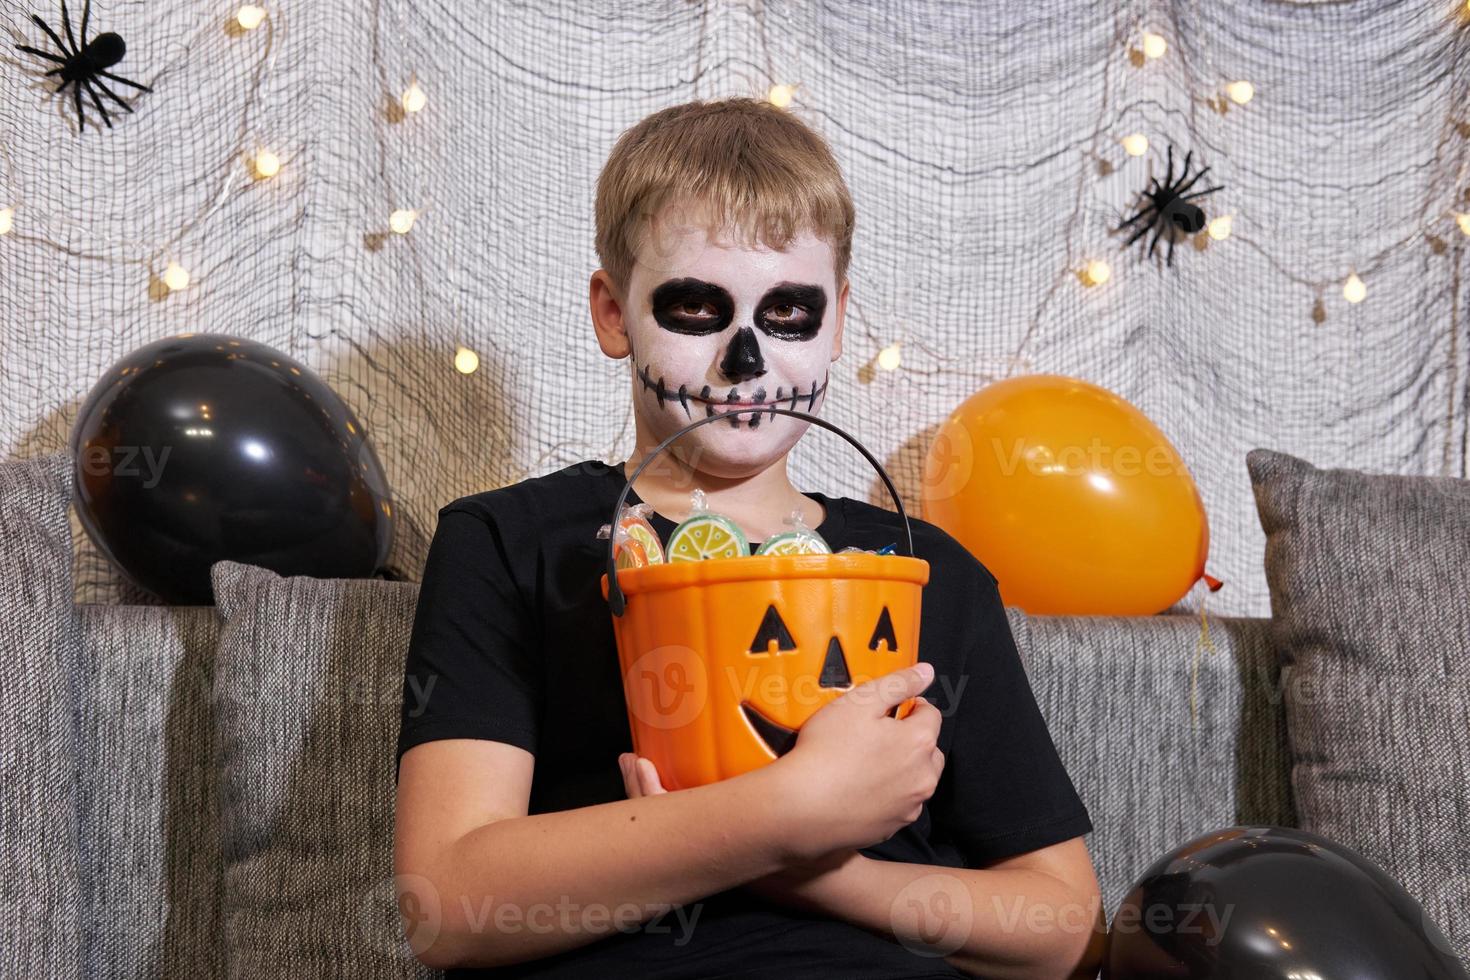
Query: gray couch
[{"x": 233, "y": 764}]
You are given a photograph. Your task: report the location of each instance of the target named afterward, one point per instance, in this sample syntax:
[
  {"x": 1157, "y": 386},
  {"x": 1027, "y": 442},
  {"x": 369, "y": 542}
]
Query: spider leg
[
  {"x": 109, "y": 93},
  {"x": 1153, "y": 243},
  {"x": 1170, "y": 260},
  {"x": 47, "y": 28},
  {"x": 1130, "y": 221},
  {"x": 44, "y": 54},
  {"x": 1169, "y": 179},
  {"x": 97, "y": 102},
  {"x": 66, "y": 22},
  {"x": 76, "y": 91},
  {"x": 86, "y": 13},
  {"x": 1185, "y": 172},
  {"x": 1142, "y": 230},
  {"x": 117, "y": 78},
  {"x": 1211, "y": 190},
  {"x": 1194, "y": 180}
]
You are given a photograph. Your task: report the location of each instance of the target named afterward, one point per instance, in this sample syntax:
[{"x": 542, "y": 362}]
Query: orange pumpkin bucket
[{"x": 724, "y": 660}]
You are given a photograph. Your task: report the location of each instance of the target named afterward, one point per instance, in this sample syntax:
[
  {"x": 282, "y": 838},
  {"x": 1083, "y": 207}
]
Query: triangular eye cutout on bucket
[
  {"x": 884, "y": 631},
  {"x": 834, "y": 667},
  {"x": 772, "y": 630}
]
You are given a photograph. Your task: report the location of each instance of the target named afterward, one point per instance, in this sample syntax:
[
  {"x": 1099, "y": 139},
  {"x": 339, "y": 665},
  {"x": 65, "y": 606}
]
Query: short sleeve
[
  {"x": 1004, "y": 790},
  {"x": 472, "y": 668}
]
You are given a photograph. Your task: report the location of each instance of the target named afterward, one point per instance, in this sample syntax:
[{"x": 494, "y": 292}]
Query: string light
[
  {"x": 1154, "y": 45},
  {"x": 176, "y": 277},
  {"x": 1097, "y": 273},
  {"x": 1220, "y": 228},
  {"x": 250, "y": 16},
  {"x": 1463, "y": 220},
  {"x": 402, "y": 220},
  {"x": 888, "y": 358},
  {"x": 414, "y": 98},
  {"x": 1240, "y": 92},
  {"x": 1353, "y": 290},
  {"x": 780, "y": 95},
  {"x": 466, "y": 361},
  {"x": 267, "y": 164},
  {"x": 7, "y": 220},
  {"x": 1135, "y": 144}
]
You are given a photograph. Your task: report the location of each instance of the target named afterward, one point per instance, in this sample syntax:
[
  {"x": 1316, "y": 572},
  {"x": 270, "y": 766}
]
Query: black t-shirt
[{"x": 513, "y": 642}]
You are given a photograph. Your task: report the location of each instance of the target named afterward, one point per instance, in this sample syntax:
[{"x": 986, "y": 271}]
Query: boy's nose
[{"x": 742, "y": 358}]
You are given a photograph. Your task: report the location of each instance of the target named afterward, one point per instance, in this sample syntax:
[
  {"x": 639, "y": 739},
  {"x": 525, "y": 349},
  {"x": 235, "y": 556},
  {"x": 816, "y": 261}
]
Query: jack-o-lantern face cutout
[
  {"x": 724, "y": 661},
  {"x": 773, "y": 638}
]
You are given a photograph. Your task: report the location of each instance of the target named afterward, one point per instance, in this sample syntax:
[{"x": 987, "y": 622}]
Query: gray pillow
[
  {"x": 40, "y": 883},
  {"x": 307, "y": 692},
  {"x": 1370, "y": 599}
]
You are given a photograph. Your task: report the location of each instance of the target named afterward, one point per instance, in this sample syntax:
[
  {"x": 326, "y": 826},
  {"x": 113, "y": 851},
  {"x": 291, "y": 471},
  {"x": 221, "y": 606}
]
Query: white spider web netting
[{"x": 981, "y": 145}]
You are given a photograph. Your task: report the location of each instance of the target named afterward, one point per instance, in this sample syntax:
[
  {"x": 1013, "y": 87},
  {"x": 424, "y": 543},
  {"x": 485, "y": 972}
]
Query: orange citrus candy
[{"x": 1070, "y": 496}]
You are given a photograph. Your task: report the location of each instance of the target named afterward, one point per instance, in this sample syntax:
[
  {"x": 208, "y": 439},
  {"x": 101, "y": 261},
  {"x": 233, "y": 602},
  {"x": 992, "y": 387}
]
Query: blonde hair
[{"x": 743, "y": 161}]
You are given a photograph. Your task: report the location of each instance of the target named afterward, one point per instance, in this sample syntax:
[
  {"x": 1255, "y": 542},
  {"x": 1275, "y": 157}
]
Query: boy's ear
[
  {"x": 607, "y": 316},
  {"x": 841, "y": 319}
]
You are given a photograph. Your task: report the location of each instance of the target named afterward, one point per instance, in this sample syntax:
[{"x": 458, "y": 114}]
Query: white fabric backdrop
[{"x": 980, "y": 142}]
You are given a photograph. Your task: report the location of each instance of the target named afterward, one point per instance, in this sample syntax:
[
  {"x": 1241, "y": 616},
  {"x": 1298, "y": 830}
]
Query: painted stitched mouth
[
  {"x": 777, "y": 737},
  {"x": 750, "y": 407}
]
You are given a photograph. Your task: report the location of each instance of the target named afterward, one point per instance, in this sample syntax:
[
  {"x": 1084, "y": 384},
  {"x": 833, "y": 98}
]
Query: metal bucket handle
[{"x": 615, "y": 597}]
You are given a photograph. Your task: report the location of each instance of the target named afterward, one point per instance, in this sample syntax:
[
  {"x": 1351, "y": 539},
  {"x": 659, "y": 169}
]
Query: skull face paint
[{"x": 721, "y": 328}]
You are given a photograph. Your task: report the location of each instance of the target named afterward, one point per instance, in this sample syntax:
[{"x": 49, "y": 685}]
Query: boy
[{"x": 528, "y": 838}]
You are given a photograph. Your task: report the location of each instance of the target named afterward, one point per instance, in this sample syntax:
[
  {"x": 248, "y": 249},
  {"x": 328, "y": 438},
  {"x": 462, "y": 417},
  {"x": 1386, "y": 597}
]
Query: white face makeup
[{"x": 717, "y": 328}]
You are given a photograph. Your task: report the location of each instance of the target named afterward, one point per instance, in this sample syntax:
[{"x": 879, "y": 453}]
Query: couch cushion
[
  {"x": 1370, "y": 596},
  {"x": 1116, "y": 694},
  {"x": 308, "y": 688},
  {"x": 40, "y": 878},
  {"x": 150, "y": 834}
]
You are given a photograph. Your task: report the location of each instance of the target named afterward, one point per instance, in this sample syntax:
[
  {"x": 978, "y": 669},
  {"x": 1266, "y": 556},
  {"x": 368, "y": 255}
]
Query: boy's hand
[
  {"x": 640, "y": 778},
  {"x": 856, "y": 775}
]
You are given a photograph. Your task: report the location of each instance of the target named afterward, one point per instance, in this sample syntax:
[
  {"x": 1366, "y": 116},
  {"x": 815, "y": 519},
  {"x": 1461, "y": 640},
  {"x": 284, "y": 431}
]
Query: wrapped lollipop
[
  {"x": 800, "y": 540},
  {"x": 705, "y": 534},
  {"x": 637, "y": 542}
]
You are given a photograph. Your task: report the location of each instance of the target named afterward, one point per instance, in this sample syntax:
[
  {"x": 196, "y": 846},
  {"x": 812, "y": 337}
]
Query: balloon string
[{"x": 1204, "y": 643}]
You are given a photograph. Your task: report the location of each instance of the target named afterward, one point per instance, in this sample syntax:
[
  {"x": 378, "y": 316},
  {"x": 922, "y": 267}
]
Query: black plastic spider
[
  {"x": 1170, "y": 207},
  {"x": 82, "y": 65}
]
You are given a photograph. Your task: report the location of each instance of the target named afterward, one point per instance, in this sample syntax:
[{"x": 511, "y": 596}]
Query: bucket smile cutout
[{"x": 788, "y": 313}]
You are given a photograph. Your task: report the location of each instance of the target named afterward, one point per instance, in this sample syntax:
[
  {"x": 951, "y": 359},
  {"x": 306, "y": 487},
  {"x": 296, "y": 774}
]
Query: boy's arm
[
  {"x": 1034, "y": 915},
  {"x": 482, "y": 883}
]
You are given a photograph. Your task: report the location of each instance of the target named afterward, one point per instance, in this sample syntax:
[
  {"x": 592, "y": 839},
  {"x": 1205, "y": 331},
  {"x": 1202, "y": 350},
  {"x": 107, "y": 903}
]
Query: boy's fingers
[
  {"x": 881, "y": 694},
  {"x": 648, "y": 777}
]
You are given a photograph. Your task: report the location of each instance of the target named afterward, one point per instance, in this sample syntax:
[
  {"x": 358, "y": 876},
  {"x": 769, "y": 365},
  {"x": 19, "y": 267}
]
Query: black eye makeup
[
  {"x": 791, "y": 311},
  {"x": 692, "y": 306}
]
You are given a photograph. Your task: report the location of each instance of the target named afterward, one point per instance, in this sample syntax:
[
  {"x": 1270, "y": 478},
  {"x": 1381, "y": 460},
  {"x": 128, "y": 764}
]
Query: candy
[
  {"x": 800, "y": 540},
  {"x": 706, "y": 535}
]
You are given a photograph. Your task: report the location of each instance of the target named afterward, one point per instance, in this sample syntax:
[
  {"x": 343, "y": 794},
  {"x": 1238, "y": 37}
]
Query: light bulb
[
  {"x": 780, "y": 95},
  {"x": 1097, "y": 272},
  {"x": 414, "y": 98},
  {"x": 402, "y": 220},
  {"x": 888, "y": 358},
  {"x": 249, "y": 16},
  {"x": 7, "y": 220},
  {"x": 1463, "y": 220},
  {"x": 1154, "y": 45},
  {"x": 1135, "y": 145},
  {"x": 1240, "y": 92},
  {"x": 176, "y": 277},
  {"x": 466, "y": 361},
  {"x": 1221, "y": 227},
  {"x": 267, "y": 164},
  {"x": 1353, "y": 290}
]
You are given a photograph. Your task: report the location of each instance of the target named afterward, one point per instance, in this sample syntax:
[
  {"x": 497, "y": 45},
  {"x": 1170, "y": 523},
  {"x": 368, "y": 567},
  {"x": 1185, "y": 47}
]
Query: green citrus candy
[
  {"x": 794, "y": 543},
  {"x": 707, "y": 536}
]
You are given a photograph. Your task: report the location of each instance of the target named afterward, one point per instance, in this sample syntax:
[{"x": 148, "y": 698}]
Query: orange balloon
[{"x": 1073, "y": 499}]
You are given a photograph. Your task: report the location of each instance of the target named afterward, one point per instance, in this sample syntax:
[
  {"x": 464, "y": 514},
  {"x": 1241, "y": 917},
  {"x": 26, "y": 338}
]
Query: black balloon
[
  {"x": 204, "y": 447},
  {"x": 1273, "y": 903}
]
